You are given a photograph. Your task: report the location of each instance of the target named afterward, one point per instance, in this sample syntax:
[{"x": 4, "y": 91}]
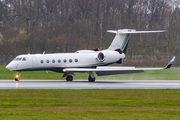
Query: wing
[{"x": 100, "y": 71}]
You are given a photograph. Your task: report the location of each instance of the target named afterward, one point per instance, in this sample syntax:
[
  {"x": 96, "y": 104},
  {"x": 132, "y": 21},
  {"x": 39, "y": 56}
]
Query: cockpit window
[
  {"x": 14, "y": 59},
  {"x": 24, "y": 59},
  {"x": 18, "y": 59}
]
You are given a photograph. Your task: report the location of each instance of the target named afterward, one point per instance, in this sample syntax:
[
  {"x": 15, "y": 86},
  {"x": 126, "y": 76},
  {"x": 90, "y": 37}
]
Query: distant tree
[{"x": 69, "y": 25}]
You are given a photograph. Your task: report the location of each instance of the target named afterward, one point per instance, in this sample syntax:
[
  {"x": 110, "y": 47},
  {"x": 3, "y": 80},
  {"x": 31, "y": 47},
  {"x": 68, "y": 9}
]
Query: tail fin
[{"x": 121, "y": 39}]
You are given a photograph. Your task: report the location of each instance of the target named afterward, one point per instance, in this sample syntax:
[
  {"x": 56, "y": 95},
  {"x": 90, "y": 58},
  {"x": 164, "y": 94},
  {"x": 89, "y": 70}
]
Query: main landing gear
[
  {"x": 69, "y": 77},
  {"x": 17, "y": 77},
  {"x": 91, "y": 77}
]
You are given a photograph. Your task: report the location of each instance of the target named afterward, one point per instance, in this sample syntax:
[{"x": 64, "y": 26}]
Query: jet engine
[
  {"x": 108, "y": 56},
  {"x": 101, "y": 57}
]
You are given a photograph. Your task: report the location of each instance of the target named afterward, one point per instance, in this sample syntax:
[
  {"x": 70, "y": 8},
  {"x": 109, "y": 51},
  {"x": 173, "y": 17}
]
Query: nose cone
[
  {"x": 8, "y": 67},
  {"x": 11, "y": 66}
]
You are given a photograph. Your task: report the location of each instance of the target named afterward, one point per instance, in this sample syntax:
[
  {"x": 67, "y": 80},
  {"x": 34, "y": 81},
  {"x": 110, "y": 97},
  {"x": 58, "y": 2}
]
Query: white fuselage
[{"x": 57, "y": 61}]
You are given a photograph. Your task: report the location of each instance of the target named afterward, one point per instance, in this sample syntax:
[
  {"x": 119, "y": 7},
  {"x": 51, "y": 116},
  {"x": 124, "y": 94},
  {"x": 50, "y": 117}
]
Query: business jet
[{"x": 83, "y": 61}]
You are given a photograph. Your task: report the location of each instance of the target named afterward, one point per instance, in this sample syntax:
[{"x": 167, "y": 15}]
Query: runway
[{"x": 84, "y": 84}]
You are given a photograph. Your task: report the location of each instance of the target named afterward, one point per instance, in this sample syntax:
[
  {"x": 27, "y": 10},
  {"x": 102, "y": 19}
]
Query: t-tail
[{"x": 121, "y": 39}]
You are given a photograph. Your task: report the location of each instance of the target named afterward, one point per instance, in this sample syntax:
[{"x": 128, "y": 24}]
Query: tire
[
  {"x": 16, "y": 79},
  {"x": 91, "y": 79},
  {"x": 69, "y": 78}
]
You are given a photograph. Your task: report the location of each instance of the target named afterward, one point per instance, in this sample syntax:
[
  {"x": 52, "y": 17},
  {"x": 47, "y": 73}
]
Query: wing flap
[{"x": 101, "y": 73}]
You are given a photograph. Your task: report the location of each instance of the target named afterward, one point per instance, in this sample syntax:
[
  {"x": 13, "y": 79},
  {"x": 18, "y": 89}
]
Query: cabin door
[{"x": 34, "y": 62}]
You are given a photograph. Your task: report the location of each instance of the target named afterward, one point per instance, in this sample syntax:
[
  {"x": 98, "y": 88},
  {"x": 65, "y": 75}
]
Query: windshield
[{"x": 17, "y": 59}]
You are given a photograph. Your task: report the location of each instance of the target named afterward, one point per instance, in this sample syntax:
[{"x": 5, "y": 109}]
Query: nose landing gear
[{"x": 17, "y": 77}]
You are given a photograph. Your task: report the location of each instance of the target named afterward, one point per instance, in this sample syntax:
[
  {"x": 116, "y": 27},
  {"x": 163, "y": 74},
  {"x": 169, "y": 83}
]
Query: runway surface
[{"x": 84, "y": 84}]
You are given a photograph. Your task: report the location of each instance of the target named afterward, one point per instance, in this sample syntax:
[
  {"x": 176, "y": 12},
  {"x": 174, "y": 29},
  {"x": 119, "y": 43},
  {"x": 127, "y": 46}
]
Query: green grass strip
[
  {"x": 89, "y": 104},
  {"x": 169, "y": 74}
]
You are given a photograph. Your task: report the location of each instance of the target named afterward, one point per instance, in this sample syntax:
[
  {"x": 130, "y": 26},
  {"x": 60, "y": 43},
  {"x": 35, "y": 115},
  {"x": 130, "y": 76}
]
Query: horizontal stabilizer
[
  {"x": 112, "y": 31},
  {"x": 133, "y": 31}
]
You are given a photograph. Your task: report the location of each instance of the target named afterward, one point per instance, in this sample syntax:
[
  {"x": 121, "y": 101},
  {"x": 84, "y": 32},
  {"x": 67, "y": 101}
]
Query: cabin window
[
  {"x": 70, "y": 60},
  {"x": 76, "y": 60},
  {"x": 42, "y": 61},
  {"x": 53, "y": 61},
  {"x": 59, "y": 61},
  {"x": 47, "y": 61},
  {"x": 24, "y": 59},
  {"x": 65, "y": 60}
]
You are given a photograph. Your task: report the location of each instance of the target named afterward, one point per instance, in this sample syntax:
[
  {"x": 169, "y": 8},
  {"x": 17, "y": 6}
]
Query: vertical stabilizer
[{"x": 121, "y": 39}]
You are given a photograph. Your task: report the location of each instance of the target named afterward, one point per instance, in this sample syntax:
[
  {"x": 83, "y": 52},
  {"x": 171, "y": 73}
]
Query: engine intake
[{"x": 101, "y": 57}]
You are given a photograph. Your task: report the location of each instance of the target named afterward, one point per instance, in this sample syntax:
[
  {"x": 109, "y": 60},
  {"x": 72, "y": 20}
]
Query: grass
[
  {"x": 89, "y": 104},
  {"x": 169, "y": 74}
]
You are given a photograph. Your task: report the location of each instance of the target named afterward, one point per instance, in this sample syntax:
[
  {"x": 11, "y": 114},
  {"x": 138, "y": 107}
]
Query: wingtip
[{"x": 170, "y": 63}]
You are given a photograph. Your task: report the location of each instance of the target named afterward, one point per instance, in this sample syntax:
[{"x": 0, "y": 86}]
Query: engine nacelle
[
  {"x": 108, "y": 56},
  {"x": 101, "y": 57}
]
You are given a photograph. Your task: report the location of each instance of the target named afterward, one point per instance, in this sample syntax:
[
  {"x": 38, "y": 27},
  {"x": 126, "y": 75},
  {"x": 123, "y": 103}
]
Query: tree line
[{"x": 34, "y": 26}]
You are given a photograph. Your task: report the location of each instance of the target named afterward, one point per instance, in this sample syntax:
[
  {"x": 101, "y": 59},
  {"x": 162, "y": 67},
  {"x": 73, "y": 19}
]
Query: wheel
[
  {"x": 69, "y": 78},
  {"x": 91, "y": 79},
  {"x": 16, "y": 79}
]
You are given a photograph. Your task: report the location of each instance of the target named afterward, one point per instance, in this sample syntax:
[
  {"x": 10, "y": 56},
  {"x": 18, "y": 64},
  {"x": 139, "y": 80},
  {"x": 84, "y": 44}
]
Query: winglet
[{"x": 170, "y": 63}]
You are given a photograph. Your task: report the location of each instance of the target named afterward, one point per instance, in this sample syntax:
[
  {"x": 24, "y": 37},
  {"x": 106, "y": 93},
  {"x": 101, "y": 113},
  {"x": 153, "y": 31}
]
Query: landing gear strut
[
  {"x": 91, "y": 77},
  {"x": 69, "y": 78},
  {"x": 17, "y": 77}
]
